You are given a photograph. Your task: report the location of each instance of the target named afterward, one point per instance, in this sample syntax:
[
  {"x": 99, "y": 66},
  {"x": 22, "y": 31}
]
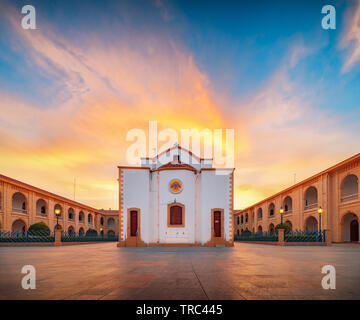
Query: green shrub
[{"x": 40, "y": 226}]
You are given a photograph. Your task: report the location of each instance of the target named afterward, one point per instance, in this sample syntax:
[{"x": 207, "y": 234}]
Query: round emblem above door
[{"x": 175, "y": 186}]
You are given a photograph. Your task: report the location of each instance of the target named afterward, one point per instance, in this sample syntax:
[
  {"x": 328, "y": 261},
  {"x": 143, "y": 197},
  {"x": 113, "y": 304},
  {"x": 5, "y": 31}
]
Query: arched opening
[
  {"x": 18, "y": 226},
  {"x": 71, "y": 214},
  {"x": 246, "y": 218},
  {"x": 311, "y": 198},
  {"x": 19, "y": 203},
  {"x": 350, "y": 225},
  {"x": 259, "y": 230},
  {"x": 111, "y": 233},
  {"x": 238, "y": 220},
  {"x": 288, "y": 205},
  {"x": 271, "y": 209},
  {"x": 81, "y": 217},
  {"x": 71, "y": 230},
  {"x": 41, "y": 208},
  {"x": 259, "y": 214},
  {"x": 242, "y": 219},
  {"x": 81, "y": 231},
  {"x": 350, "y": 188},
  {"x": 111, "y": 223},
  {"x": 238, "y": 232},
  {"x": 289, "y": 223},
  {"x": 58, "y": 207},
  {"x": 102, "y": 221},
  {"x": 271, "y": 228},
  {"x": 90, "y": 218},
  {"x": 311, "y": 224}
]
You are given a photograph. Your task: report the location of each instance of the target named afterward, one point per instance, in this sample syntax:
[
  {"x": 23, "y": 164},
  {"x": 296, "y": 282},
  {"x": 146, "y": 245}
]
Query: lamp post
[
  {"x": 57, "y": 213},
  {"x": 320, "y": 211},
  {"x": 281, "y": 215}
]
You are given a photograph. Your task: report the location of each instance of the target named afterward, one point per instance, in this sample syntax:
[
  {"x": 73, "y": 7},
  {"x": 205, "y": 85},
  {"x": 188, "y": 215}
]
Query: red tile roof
[{"x": 176, "y": 165}]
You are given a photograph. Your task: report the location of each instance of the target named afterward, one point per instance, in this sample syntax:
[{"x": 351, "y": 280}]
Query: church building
[{"x": 175, "y": 199}]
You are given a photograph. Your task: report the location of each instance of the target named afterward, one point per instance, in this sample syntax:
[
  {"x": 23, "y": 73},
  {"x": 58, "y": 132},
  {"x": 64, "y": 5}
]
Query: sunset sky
[{"x": 93, "y": 70}]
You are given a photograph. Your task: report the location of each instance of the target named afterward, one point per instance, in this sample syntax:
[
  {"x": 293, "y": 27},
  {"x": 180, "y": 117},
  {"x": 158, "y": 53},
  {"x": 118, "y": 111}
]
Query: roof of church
[
  {"x": 177, "y": 147},
  {"x": 176, "y": 165}
]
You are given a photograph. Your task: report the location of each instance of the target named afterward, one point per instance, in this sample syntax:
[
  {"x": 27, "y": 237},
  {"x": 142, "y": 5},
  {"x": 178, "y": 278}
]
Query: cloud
[
  {"x": 105, "y": 86},
  {"x": 351, "y": 39}
]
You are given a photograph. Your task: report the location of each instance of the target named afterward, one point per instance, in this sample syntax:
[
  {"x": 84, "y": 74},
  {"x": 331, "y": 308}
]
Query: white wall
[
  {"x": 214, "y": 193},
  {"x": 136, "y": 195}
]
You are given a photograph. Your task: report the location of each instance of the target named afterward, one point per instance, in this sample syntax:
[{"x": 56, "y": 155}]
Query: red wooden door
[
  {"x": 133, "y": 223},
  {"x": 217, "y": 223}
]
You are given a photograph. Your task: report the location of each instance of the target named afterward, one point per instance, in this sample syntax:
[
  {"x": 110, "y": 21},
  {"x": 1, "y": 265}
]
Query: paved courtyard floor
[{"x": 246, "y": 271}]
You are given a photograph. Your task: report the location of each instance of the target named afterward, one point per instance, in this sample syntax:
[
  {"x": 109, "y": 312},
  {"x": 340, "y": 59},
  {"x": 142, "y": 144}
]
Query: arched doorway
[
  {"x": 18, "y": 226},
  {"x": 311, "y": 224},
  {"x": 259, "y": 230},
  {"x": 354, "y": 231},
  {"x": 350, "y": 225},
  {"x": 81, "y": 231},
  {"x": 271, "y": 228},
  {"x": 71, "y": 230}
]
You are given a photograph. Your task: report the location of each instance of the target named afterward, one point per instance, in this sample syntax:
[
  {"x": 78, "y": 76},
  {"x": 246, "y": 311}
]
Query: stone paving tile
[{"x": 246, "y": 271}]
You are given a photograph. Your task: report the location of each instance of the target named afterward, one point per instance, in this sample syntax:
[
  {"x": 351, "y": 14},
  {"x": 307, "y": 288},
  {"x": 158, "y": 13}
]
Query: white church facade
[{"x": 175, "y": 199}]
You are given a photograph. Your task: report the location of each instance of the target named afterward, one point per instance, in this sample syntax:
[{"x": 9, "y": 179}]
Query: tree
[{"x": 40, "y": 226}]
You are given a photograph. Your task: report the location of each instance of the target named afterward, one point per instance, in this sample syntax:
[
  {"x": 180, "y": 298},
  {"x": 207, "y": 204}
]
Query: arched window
[
  {"x": 81, "y": 217},
  {"x": 90, "y": 218},
  {"x": 238, "y": 220},
  {"x": 19, "y": 203},
  {"x": 287, "y": 205},
  {"x": 71, "y": 214},
  {"x": 176, "y": 215},
  {"x": 242, "y": 219},
  {"x": 102, "y": 221},
  {"x": 271, "y": 209},
  {"x": 311, "y": 198},
  {"x": 350, "y": 188},
  {"x": 259, "y": 213},
  {"x": 41, "y": 208},
  {"x": 246, "y": 218},
  {"x": 111, "y": 223}
]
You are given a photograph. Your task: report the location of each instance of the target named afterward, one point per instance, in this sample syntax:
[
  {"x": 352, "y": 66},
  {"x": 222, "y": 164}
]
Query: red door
[
  {"x": 217, "y": 223},
  {"x": 133, "y": 223}
]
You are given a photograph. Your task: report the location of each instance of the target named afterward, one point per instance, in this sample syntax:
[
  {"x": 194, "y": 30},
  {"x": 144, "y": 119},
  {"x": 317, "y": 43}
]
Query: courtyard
[{"x": 245, "y": 271}]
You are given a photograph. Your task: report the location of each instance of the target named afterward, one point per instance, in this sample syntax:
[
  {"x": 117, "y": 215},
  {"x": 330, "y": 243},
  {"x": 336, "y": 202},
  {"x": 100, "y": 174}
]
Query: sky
[{"x": 71, "y": 89}]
